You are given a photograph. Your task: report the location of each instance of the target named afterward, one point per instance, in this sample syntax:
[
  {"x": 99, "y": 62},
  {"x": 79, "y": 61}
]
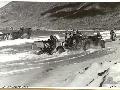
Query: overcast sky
[{"x": 3, "y": 3}]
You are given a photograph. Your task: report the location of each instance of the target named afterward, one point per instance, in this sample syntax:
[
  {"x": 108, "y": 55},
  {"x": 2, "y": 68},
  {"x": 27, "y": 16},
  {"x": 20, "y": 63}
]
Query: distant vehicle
[
  {"x": 4, "y": 36},
  {"x": 22, "y": 33}
]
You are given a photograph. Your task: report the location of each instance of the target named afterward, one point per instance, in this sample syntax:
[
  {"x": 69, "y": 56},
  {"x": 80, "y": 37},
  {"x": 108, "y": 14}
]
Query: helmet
[
  {"x": 51, "y": 36},
  {"x": 98, "y": 33}
]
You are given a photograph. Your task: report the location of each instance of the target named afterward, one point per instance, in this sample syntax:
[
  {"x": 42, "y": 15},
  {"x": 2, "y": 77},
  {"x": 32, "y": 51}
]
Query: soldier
[
  {"x": 74, "y": 32},
  {"x": 66, "y": 36},
  {"x": 50, "y": 44},
  {"x": 98, "y": 38},
  {"x": 112, "y": 35},
  {"x": 77, "y": 32},
  {"x": 99, "y": 35}
]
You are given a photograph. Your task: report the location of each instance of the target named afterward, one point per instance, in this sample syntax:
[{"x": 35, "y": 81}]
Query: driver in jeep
[{"x": 49, "y": 45}]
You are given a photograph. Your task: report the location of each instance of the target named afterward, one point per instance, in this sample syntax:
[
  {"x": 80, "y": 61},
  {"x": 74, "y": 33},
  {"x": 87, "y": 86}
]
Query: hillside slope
[{"x": 56, "y": 15}]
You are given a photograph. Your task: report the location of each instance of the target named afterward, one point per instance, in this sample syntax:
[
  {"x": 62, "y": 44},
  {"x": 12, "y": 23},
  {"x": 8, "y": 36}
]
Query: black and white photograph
[{"x": 59, "y": 44}]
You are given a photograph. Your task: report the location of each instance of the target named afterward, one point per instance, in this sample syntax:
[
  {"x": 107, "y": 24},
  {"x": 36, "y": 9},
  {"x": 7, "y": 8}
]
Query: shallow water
[{"x": 16, "y": 56}]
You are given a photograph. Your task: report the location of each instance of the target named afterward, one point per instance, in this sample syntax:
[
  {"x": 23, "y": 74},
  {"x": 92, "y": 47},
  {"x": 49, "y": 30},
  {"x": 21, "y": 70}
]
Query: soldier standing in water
[{"x": 112, "y": 35}]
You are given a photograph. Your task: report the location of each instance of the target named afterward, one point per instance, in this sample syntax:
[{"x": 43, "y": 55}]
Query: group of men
[
  {"x": 76, "y": 32},
  {"x": 73, "y": 33},
  {"x": 50, "y": 44}
]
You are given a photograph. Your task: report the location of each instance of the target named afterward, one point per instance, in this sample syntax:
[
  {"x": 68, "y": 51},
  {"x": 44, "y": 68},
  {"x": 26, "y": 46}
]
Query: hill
[{"x": 60, "y": 15}]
